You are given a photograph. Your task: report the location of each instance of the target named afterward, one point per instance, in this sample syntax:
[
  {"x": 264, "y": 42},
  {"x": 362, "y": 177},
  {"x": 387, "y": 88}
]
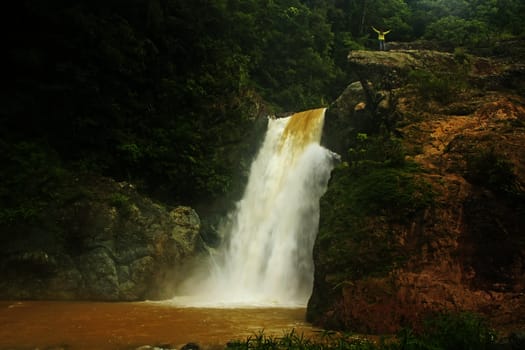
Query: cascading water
[{"x": 267, "y": 256}]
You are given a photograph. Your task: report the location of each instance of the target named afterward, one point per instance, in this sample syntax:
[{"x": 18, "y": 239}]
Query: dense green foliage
[
  {"x": 493, "y": 171},
  {"x": 162, "y": 93},
  {"x": 370, "y": 194},
  {"x": 443, "y": 87},
  {"x": 463, "y": 331},
  {"x": 466, "y": 22},
  {"x": 34, "y": 187}
]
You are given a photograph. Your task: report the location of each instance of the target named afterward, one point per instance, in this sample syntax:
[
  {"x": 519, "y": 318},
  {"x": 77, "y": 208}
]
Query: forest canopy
[{"x": 156, "y": 92}]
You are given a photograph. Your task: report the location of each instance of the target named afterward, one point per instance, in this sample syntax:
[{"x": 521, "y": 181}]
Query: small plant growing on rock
[{"x": 121, "y": 202}]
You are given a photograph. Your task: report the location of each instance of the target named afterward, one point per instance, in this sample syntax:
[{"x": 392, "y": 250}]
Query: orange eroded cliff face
[{"x": 463, "y": 252}]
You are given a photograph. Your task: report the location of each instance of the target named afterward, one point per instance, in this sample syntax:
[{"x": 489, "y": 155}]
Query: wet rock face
[
  {"x": 109, "y": 244},
  {"x": 465, "y": 251}
]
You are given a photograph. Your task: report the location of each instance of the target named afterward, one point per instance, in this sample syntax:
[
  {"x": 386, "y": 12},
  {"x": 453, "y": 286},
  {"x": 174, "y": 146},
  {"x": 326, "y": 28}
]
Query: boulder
[{"x": 107, "y": 242}]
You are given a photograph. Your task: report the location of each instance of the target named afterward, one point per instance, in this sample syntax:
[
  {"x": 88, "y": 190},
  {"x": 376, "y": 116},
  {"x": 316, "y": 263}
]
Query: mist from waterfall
[{"x": 266, "y": 258}]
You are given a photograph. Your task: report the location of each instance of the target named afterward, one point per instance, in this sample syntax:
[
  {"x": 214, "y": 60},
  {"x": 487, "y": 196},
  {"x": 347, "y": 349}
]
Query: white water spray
[{"x": 267, "y": 256}]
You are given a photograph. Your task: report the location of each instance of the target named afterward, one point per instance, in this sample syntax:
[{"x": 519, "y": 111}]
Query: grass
[
  {"x": 449, "y": 331},
  {"x": 294, "y": 340}
]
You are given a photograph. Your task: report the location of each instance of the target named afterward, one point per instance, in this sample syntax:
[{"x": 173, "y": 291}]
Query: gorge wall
[
  {"x": 99, "y": 240},
  {"x": 426, "y": 212}
]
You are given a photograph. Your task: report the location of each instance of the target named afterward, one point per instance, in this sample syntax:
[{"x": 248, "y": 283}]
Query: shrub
[
  {"x": 490, "y": 169},
  {"x": 389, "y": 190},
  {"x": 442, "y": 87}
]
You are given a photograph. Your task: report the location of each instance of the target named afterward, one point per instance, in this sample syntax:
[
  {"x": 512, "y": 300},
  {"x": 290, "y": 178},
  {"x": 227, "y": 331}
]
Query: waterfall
[{"x": 266, "y": 259}]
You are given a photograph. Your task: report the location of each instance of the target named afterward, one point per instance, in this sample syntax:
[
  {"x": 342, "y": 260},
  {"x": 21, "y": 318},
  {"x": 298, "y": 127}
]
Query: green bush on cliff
[
  {"x": 375, "y": 149},
  {"x": 442, "y": 87},
  {"x": 382, "y": 182},
  {"x": 492, "y": 170},
  {"x": 121, "y": 202},
  {"x": 366, "y": 203},
  {"x": 388, "y": 191},
  {"x": 370, "y": 196}
]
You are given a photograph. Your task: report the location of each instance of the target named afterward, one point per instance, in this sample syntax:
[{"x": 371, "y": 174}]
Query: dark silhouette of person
[{"x": 381, "y": 38}]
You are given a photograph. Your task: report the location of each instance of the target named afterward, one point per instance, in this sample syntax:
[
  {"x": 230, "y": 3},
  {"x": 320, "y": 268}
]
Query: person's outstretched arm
[{"x": 375, "y": 30}]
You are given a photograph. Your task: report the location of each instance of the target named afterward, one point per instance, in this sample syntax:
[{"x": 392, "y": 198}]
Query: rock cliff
[
  {"x": 101, "y": 241},
  {"x": 436, "y": 222}
]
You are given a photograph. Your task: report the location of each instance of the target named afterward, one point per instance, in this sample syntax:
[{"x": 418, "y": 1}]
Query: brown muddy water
[{"x": 94, "y": 325}]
